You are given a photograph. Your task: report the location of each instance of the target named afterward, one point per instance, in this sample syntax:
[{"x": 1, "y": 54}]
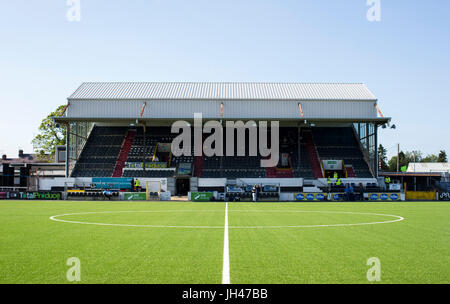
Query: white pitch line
[
  {"x": 226, "y": 252},
  {"x": 55, "y": 218}
]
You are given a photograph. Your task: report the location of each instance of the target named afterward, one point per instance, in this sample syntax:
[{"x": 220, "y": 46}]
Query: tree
[
  {"x": 382, "y": 158},
  {"x": 392, "y": 164},
  {"x": 50, "y": 135},
  {"x": 430, "y": 158},
  {"x": 442, "y": 157},
  {"x": 413, "y": 156}
]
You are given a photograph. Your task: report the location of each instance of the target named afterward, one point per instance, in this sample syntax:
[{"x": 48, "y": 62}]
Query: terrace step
[
  {"x": 123, "y": 155},
  {"x": 312, "y": 154},
  {"x": 350, "y": 171}
]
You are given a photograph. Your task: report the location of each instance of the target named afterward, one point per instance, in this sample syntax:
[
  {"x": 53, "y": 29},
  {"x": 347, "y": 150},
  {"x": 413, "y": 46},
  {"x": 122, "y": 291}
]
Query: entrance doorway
[{"x": 183, "y": 186}]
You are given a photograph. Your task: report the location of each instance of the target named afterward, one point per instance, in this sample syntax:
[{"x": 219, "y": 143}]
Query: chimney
[
  {"x": 4, "y": 157},
  {"x": 20, "y": 153}
]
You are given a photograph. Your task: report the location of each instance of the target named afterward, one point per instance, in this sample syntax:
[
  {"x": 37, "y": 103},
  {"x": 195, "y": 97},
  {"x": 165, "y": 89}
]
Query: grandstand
[{"x": 124, "y": 130}]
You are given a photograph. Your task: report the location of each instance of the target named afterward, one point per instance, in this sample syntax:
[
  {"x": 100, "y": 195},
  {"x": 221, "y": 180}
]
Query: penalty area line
[{"x": 226, "y": 251}]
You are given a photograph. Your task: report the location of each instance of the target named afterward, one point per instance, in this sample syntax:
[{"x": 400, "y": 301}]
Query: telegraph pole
[{"x": 398, "y": 157}]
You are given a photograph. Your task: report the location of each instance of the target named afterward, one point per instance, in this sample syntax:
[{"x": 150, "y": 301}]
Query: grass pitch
[{"x": 165, "y": 242}]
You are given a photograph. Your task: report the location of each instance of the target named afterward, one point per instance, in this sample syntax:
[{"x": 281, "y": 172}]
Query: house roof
[{"x": 23, "y": 159}]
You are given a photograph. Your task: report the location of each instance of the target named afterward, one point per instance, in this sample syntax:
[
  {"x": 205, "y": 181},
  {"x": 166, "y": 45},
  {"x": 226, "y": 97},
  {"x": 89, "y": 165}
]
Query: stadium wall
[
  {"x": 320, "y": 182},
  {"x": 46, "y": 184},
  {"x": 221, "y": 182},
  {"x": 421, "y": 195},
  {"x": 239, "y": 109}
]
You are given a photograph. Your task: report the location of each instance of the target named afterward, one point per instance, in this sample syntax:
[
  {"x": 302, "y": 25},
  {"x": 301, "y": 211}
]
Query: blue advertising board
[
  {"x": 310, "y": 196},
  {"x": 384, "y": 196}
]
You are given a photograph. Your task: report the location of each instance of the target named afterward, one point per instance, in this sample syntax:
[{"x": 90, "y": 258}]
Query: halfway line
[{"x": 226, "y": 255}]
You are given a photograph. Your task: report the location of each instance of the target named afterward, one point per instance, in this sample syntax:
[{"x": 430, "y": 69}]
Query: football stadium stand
[{"x": 123, "y": 130}]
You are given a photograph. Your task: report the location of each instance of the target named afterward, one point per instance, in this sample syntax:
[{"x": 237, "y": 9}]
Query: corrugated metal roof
[{"x": 222, "y": 91}]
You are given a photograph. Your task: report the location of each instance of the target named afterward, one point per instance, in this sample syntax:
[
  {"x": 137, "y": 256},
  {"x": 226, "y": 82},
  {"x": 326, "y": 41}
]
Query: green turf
[
  {"x": 34, "y": 249},
  {"x": 416, "y": 250}
]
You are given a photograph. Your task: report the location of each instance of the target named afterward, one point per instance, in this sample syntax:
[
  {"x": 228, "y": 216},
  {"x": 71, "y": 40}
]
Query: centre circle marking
[{"x": 397, "y": 218}]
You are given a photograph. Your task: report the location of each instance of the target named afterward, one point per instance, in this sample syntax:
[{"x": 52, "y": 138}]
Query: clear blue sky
[{"x": 404, "y": 59}]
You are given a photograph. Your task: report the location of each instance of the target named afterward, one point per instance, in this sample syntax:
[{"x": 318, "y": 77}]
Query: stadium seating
[
  {"x": 100, "y": 152},
  {"x": 341, "y": 143},
  {"x": 144, "y": 147},
  {"x": 302, "y": 167},
  {"x": 176, "y": 160},
  {"x": 234, "y": 173},
  {"x": 233, "y": 167},
  {"x": 109, "y": 148}
]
